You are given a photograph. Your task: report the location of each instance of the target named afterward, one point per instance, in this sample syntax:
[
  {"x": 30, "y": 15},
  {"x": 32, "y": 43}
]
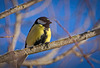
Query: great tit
[{"x": 39, "y": 33}]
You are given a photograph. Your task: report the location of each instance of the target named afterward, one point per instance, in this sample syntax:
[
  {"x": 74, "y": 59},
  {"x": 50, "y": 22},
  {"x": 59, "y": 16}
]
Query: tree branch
[
  {"x": 55, "y": 44},
  {"x": 18, "y": 8},
  {"x": 46, "y": 61}
]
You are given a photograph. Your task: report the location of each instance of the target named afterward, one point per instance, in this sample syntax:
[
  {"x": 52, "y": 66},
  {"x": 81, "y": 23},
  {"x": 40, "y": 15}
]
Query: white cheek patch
[{"x": 41, "y": 22}]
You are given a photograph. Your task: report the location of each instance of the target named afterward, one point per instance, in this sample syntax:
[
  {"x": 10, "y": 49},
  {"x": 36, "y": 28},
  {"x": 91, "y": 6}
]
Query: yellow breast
[
  {"x": 35, "y": 34},
  {"x": 48, "y": 35}
]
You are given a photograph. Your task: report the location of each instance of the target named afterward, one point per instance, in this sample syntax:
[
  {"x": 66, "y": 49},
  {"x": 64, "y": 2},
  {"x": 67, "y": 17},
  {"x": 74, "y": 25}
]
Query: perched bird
[{"x": 39, "y": 33}]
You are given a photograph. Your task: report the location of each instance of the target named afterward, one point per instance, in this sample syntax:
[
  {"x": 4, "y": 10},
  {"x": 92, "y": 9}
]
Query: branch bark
[
  {"x": 18, "y": 8},
  {"x": 10, "y": 56},
  {"x": 46, "y": 61}
]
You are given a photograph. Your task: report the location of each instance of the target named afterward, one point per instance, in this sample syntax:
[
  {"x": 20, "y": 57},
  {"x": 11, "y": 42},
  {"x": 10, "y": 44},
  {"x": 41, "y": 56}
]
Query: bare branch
[
  {"x": 55, "y": 44},
  {"x": 46, "y": 62},
  {"x": 18, "y": 8}
]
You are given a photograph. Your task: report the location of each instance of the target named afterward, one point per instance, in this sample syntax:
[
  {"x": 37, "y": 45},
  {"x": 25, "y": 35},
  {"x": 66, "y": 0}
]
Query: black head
[{"x": 43, "y": 21}]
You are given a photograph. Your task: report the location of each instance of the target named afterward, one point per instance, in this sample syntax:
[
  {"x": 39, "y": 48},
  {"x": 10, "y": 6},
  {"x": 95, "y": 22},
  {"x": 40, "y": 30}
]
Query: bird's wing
[{"x": 35, "y": 34}]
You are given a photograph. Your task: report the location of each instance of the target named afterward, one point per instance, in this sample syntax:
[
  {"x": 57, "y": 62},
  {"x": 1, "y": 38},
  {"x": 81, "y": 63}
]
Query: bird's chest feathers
[{"x": 37, "y": 34}]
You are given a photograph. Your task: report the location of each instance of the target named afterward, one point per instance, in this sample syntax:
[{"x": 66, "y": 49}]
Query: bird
[{"x": 40, "y": 33}]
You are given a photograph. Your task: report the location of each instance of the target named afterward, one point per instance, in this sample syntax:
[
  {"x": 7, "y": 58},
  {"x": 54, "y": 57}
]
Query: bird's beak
[{"x": 50, "y": 22}]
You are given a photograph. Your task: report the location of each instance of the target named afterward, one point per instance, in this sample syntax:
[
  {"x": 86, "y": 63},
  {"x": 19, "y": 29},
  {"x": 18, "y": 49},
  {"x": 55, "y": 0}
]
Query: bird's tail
[{"x": 21, "y": 60}]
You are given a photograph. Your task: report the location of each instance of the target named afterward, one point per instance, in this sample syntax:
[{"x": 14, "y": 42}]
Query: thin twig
[{"x": 6, "y": 36}]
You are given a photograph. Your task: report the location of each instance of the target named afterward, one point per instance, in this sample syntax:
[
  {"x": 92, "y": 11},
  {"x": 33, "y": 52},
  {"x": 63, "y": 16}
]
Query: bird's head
[{"x": 43, "y": 21}]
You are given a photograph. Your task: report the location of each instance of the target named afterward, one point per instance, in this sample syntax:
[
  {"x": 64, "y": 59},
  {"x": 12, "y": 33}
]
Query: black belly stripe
[
  {"x": 42, "y": 39},
  {"x": 25, "y": 44}
]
